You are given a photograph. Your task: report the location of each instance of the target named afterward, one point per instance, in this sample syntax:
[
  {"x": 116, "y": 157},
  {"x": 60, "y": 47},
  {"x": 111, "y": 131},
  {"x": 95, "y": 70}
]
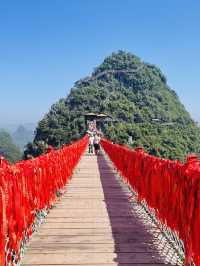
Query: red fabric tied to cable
[
  {"x": 171, "y": 188},
  {"x": 30, "y": 186}
]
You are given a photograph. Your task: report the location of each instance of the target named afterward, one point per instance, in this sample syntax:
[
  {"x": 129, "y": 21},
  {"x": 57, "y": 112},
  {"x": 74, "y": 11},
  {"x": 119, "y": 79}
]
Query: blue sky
[{"x": 46, "y": 45}]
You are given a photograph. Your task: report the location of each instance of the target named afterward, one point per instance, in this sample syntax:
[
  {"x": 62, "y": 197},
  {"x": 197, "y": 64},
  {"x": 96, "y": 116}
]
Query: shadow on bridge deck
[
  {"x": 137, "y": 240},
  {"x": 94, "y": 224}
]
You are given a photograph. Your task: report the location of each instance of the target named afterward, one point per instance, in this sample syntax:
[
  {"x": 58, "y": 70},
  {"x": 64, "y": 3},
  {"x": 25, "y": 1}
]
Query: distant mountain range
[
  {"x": 20, "y": 134},
  {"x": 8, "y": 149},
  {"x": 12, "y": 127}
]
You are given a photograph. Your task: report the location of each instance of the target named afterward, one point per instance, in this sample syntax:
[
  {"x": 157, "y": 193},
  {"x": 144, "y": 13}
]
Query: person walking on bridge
[
  {"x": 91, "y": 144},
  {"x": 97, "y": 140}
]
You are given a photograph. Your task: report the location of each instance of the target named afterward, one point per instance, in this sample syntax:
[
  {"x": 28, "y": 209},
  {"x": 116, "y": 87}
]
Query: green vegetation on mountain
[
  {"x": 8, "y": 148},
  {"x": 136, "y": 95}
]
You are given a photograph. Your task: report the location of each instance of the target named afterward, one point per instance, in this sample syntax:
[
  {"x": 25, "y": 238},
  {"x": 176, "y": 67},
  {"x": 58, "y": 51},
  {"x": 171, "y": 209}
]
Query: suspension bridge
[{"x": 122, "y": 207}]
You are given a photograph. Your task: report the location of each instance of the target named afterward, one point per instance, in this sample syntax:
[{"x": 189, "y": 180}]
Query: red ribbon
[
  {"x": 171, "y": 188},
  {"x": 30, "y": 186}
]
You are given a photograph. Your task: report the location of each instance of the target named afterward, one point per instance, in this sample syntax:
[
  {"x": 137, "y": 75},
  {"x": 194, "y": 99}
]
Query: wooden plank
[
  {"x": 94, "y": 224},
  {"x": 93, "y": 258},
  {"x": 81, "y": 247},
  {"x": 105, "y": 264}
]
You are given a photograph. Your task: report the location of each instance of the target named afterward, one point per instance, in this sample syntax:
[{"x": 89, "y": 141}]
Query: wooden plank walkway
[{"x": 95, "y": 224}]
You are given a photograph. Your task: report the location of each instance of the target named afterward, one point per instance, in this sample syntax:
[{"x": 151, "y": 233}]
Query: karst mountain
[{"x": 146, "y": 111}]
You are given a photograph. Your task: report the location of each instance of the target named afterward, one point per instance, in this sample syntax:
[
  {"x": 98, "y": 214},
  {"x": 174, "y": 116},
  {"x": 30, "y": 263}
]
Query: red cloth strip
[
  {"x": 30, "y": 186},
  {"x": 171, "y": 188}
]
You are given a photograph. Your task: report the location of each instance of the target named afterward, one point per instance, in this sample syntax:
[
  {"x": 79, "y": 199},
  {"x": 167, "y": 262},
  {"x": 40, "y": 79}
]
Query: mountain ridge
[{"x": 137, "y": 96}]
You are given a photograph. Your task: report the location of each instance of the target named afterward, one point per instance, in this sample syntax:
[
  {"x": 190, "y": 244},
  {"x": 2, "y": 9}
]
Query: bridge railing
[
  {"x": 28, "y": 187},
  {"x": 171, "y": 189}
]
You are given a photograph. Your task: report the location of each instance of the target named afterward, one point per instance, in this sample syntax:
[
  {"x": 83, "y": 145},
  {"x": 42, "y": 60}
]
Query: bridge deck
[{"x": 95, "y": 224}]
